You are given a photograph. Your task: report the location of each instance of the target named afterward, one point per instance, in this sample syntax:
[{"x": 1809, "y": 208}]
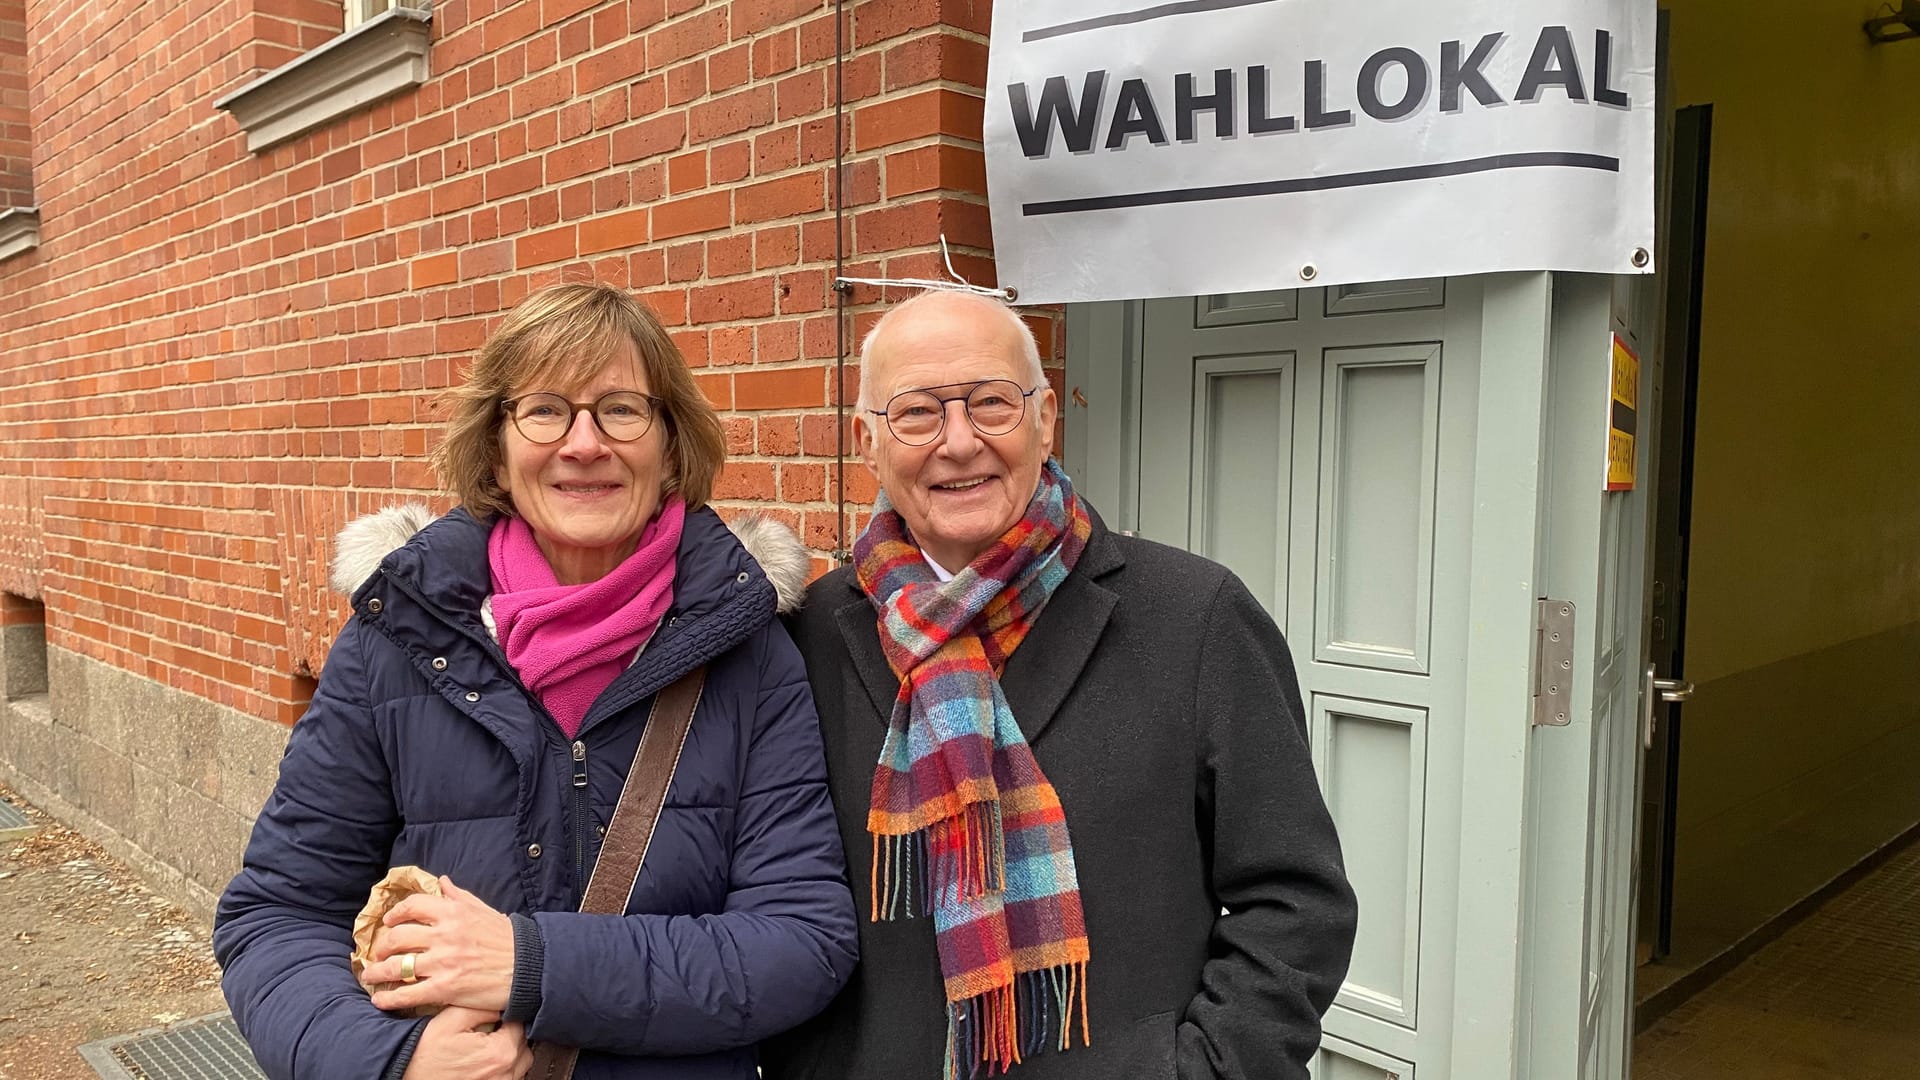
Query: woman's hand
[
  {"x": 454, "y": 1047},
  {"x": 461, "y": 949}
]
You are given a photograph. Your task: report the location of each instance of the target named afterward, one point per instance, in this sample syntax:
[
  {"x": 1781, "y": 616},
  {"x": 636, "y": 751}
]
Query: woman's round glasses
[
  {"x": 994, "y": 407},
  {"x": 623, "y": 415}
]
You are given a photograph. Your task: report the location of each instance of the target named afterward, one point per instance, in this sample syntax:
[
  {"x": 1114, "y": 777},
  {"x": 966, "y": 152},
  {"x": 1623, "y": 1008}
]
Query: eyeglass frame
[
  {"x": 965, "y": 408},
  {"x": 656, "y": 406}
]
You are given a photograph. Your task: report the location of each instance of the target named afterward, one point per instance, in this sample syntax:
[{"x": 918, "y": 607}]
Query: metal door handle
[{"x": 1673, "y": 691}]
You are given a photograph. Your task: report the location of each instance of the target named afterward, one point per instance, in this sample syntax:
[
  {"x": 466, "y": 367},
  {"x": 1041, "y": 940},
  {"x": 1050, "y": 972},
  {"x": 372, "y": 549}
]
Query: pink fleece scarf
[{"x": 568, "y": 642}]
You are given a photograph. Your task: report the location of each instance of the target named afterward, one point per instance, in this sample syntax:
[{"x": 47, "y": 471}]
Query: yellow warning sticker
[{"x": 1623, "y": 421}]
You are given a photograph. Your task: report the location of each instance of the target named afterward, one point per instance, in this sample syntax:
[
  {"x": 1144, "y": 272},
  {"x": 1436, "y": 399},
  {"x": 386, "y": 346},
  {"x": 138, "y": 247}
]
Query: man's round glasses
[
  {"x": 994, "y": 407},
  {"x": 623, "y": 415}
]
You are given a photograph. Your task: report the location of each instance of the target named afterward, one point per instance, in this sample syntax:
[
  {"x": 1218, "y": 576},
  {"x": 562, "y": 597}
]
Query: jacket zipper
[{"x": 581, "y": 815}]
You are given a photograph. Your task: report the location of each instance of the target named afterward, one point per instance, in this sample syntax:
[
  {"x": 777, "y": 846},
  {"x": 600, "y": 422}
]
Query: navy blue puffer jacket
[{"x": 422, "y": 747}]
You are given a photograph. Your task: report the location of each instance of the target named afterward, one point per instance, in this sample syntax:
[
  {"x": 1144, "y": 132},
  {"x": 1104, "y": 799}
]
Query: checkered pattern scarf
[{"x": 964, "y": 823}]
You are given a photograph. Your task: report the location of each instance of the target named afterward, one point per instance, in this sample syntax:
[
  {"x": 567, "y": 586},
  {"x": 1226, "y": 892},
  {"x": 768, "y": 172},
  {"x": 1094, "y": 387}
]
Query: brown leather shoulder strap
[{"x": 630, "y": 833}]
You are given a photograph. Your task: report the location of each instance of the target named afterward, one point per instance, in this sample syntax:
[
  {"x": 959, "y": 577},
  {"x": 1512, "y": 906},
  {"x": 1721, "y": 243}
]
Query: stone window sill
[
  {"x": 19, "y": 230},
  {"x": 378, "y": 58}
]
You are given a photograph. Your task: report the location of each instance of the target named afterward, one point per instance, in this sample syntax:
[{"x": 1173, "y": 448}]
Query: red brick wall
[
  {"x": 16, "y": 140},
  {"x": 19, "y": 611},
  {"x": 214, "y": 357}
]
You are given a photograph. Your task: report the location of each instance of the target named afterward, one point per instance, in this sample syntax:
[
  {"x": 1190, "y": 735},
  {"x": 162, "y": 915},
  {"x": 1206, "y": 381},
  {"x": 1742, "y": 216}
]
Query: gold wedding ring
[{"x": 406, "y": 968}]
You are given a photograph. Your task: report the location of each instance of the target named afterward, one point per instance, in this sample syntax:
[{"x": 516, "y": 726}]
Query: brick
[
  {"x": 753, "y": 16},
  {"x": 515, "y": 179},
  {"x": 935, "y": 168},
  {"x": 730, "y": 255},
  {"x": 649, "y": 138},
  {"x": 730, "y": 115},
  {"x": 687, "y": 37},
  {"x": 776, "y": 151},
  {"x": 542, "y": 92},
  {"x": 778, "y": 436},
  {"x": 801, "y": 94},
  {"x": 687, "y": 172},
  {"x": 789, "y": 196},
  {"x": 893, "y": 227},
  {"x": 686, "y": 82},
  {"x": 729, "y": 162},
  {"x": 803, "y": 482},
  {"x": 746, "y": 480},
  {"x": 431, "y": 270},
  {"x": 877, "y": 20},
  {"x": 625, "y": 229},
  {"x": 934, "y": 58},
  {"x": 729, "y": 68},
  {"x": 739, "y": 434},
  {"x": 730, "y": 345},
  {"x": 695, "y": 214},
  {"x": 778, "y": 246},
  {"x": 731, "y": 301},
  {"x": 780, "y": 388},
  {"x": 929, "y": 112},
  {"x": 774, "y": 54}
]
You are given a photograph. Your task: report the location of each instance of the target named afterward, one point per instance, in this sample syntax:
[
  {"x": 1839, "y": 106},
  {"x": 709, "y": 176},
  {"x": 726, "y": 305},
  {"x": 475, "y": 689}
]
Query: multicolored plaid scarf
[{"x": 963, "y": 821}]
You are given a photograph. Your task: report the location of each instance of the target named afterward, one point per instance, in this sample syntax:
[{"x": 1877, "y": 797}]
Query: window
[
  {"x": 360, "y": 11},
  {"x": 19, "y": 219},
  {"x": 382, "y": 52}
]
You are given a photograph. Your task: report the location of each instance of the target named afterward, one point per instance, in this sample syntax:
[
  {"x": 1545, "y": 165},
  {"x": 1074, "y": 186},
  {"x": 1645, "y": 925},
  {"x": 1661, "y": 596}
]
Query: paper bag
[{"x": 400, "y": 883}]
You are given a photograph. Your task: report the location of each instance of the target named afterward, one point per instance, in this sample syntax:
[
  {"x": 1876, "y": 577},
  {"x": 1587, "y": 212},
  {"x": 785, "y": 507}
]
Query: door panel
[
  {"x": 1330, "y": 448},
  {"x": 1376, "y": 513},
  {"x": 1372, "y": 761},
  {"x": 1242, "y": 468},
  {"x": 1342, "y": 1060},
  {"x": 1362, "y": 297},
  {"x": 1305, "y": 440}
]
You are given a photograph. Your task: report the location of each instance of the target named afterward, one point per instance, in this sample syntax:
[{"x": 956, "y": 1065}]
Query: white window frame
[{"x": 376, "y": 59}]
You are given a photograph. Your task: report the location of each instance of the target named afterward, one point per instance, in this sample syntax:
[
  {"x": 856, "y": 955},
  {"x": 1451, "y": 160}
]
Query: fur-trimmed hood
[{"x": 369, "y": 539}]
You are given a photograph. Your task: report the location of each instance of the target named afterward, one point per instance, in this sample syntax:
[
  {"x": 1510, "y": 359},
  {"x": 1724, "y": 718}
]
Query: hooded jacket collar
[{"x": 722, "y": 595}]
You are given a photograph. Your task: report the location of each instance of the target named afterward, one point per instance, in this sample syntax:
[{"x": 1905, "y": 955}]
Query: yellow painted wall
[
  {"x": 1807, "y": 483},
  {"x": 1803, "y": 628}
]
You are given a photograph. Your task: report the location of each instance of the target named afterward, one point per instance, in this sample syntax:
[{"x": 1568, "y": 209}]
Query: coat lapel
[
  {"x": 1042, "y": 672},
  {"x": 1047, "y": 665},
  {"x": 860, "y": 627}
]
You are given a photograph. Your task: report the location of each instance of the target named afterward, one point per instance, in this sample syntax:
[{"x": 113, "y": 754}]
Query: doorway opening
[{"x": 1779, "y": 800}]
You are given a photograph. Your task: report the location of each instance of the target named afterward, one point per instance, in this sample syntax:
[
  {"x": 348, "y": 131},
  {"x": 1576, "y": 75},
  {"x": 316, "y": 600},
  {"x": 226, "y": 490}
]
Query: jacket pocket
[{"x": 1149, "y": 1046}]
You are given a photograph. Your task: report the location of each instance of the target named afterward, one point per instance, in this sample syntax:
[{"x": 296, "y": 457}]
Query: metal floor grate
[
  {"x": 206, "y": 1048},
  {"x": 12, "y": 821}
]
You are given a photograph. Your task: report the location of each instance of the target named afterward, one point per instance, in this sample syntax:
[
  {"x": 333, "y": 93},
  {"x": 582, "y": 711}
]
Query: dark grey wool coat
[{"x": 1161, "y": 701}]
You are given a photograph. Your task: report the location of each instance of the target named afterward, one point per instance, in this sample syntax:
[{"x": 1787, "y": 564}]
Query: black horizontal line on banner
[
  {"x": 1555, "y": 159},
  {"x": 1123, "y": 18},
  {"x": 1625, "y": 420}
]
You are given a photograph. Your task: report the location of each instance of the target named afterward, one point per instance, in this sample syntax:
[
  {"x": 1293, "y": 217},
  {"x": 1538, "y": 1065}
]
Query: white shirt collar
[{"x": 939, "y": 571}]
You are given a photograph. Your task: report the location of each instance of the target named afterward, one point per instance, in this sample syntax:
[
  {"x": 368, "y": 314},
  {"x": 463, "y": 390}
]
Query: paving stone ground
[{"x": 87, "y": 951}]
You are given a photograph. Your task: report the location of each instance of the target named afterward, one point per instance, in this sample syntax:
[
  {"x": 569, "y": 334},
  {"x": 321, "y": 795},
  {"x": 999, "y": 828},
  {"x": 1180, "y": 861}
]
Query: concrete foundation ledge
[{"x": 167, "y": 782}]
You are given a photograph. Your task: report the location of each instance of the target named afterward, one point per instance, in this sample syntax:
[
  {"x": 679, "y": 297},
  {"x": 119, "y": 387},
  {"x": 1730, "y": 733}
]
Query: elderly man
[{"x": 1070, "y": 766}]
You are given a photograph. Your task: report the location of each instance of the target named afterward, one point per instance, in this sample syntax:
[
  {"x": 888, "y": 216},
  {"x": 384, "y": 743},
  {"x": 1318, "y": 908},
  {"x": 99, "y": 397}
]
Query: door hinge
[{"x": 1552, "y": 662}]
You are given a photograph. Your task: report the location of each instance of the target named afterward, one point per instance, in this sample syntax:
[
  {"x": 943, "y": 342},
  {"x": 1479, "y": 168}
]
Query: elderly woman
[{"x": 478, "y": 716}]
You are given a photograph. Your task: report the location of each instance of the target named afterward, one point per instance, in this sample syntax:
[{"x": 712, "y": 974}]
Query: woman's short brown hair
[{"x": 558, "y": 338}]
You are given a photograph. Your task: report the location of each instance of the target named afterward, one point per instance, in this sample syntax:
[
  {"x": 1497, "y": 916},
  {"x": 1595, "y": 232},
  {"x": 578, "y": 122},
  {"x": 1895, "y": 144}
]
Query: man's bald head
[
  {"x": 945, "y": 310},
  {"x": 957, "y": 484}
]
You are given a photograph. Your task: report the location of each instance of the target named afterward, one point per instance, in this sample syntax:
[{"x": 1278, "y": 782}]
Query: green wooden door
[{"x": 1382, "y": 465}]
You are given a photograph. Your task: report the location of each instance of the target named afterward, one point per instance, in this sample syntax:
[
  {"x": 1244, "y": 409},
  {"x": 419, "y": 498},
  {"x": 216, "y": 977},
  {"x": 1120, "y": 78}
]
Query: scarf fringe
[
  {"x": 966, "y": 854},
  {"x": 992, "y": 1032}
]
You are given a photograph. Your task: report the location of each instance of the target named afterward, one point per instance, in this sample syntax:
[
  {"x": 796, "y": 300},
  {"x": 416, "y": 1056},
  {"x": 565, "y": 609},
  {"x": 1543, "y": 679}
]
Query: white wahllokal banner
[{"x": 1212, "y": 146}]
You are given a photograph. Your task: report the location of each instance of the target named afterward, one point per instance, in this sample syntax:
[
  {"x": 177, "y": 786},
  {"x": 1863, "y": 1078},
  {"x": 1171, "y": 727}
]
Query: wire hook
[{"x": 956, "y": 284}]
